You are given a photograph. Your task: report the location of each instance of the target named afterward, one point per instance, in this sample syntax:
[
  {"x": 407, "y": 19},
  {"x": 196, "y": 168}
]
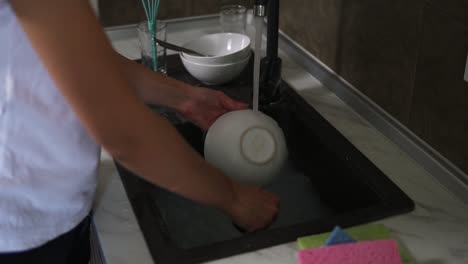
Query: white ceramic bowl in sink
[
  {"x": 247, "y": 146},
  {"x": 223, "y": 48},
  {"x": 215, "y": 74}
]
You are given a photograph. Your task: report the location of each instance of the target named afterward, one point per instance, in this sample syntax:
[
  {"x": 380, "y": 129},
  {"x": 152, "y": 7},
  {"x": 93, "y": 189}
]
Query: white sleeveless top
[{"x": 48, "y": 162}]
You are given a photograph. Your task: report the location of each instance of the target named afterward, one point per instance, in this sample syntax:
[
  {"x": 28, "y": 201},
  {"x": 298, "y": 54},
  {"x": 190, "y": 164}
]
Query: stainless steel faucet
[{"x": 270, "y": 80}]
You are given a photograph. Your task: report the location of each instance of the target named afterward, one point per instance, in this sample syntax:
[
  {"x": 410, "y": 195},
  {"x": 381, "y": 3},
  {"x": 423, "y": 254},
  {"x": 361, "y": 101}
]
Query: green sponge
[{"x": 360, "y": 233}]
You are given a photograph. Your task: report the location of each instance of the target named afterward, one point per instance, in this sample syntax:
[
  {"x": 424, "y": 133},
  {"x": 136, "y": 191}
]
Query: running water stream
[{"x": 258, "y": 56}]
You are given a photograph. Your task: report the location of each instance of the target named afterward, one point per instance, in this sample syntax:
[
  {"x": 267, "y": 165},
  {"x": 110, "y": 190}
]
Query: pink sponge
[{"x": 369, "y": 252}]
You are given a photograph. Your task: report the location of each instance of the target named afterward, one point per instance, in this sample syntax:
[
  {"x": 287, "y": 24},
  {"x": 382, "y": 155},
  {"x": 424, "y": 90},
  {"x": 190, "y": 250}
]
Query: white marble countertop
[{"x": 436, "y": 232}]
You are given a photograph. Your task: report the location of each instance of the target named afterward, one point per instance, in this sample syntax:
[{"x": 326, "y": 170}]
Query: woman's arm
[
  {"x": 155, "y": 88},
  {"x": 201, "y": 106},
  {"x": 69, "y": 41}
]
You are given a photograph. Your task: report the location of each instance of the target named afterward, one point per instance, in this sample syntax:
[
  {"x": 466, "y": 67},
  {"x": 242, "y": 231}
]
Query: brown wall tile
[
  {"x": 122, "y": 12},
  {"x": 119, "y": 12},
  {"x": 175, "y": 8},
  {"x": 456, "y": 9},
  {"x": 314, "y": 25},
  {"x": 372, "y": 43},
  {"x": 203, "y": 7},
  {"x": 440, "y": 107},
  {"x": 378, "y": 49}
]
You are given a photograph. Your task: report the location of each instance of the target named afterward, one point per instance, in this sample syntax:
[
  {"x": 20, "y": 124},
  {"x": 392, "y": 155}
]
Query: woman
[{"x": 63, "y": 93}]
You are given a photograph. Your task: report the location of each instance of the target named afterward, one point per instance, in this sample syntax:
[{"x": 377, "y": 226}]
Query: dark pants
[{"x": 70, "y": 248}]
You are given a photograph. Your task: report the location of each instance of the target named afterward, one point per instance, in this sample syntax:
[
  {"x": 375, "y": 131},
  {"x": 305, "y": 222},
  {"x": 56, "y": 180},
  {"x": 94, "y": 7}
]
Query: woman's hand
[
  {"x": 203, "y": 106},
  {"x": 253, "y": 208}
]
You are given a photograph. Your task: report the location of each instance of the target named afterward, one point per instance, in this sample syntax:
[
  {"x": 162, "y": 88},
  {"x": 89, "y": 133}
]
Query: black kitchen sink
[{"x": 326, "y": 182}]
